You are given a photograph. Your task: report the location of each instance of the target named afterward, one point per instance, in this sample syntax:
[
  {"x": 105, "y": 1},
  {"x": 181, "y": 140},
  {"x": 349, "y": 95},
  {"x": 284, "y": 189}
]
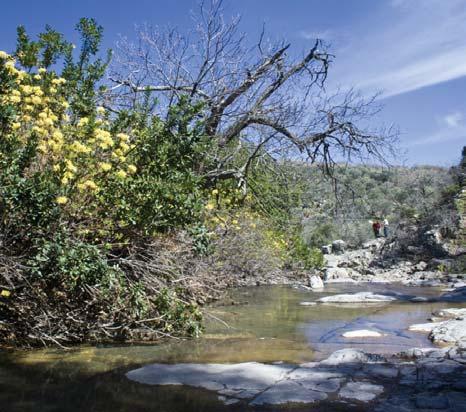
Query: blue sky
[{"x": 414, "y": 51}]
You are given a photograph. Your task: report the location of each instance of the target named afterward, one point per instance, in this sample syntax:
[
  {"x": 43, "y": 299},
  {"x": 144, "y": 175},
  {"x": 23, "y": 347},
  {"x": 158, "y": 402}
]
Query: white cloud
[
  {"x": 453, "y": 120},
  {"x": 451, "y": 127},
  {"x": 413, "y": 44}
]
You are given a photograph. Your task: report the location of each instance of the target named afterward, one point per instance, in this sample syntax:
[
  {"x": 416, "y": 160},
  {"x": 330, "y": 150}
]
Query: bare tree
[{"x": 260, "y": 98}]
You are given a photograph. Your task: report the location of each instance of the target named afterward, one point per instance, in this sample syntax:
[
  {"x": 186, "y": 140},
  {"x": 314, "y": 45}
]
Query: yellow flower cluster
[{"x": 81, "y": 152}]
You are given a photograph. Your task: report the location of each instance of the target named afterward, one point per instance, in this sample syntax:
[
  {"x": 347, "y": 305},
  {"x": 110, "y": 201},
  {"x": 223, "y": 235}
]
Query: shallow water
[{"x": 264, "y": 324}]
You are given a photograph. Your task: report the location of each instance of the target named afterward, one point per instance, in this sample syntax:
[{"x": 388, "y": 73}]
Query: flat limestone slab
[
  {"x": 361, "y": 391},
  {"x": 361, "y": 297},
  {"x": 249, "y": 376},
  {"x": 257, "y": 383}
]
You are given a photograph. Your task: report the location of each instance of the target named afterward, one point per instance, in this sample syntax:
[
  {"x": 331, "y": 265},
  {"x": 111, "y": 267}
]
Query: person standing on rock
[
  {"x": 385, "y": 227},
  {"x": 376, "y": 228}
]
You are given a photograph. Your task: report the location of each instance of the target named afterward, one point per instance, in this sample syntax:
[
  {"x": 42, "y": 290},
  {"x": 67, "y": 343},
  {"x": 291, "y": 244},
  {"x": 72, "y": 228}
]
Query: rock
[
  {"x": 421, "y": 266},
  {"x": 450, "y": 331},
  {"x": 368, "y": 271},
  {"x": 326, "y": 250},
  {"x": 415, "y": 250},
  {"x": 343, "y": 356},
  {"x": 433, "y": 240},
  {"x": 451, "y": 313},
  {"x": 228, "y": 401},
  {"x": 338, "y": 246},
  {"x": 457, "y": 295},
  {"x": 331, "y": 261},
  {"x": 421, "y": 353},
  {"x": 363, "y": 333},
  {"x": 313, "y": 379},
  {"x": 315, "y": 282},
  {"x": 381, "y": 371},
  {"x": 361, "y": 391},
  {"x": 361, "y": 297},
  {"x": 285, "y": 392},
  {"x": 424, "y": 327},
  {"x": 250, "y": 376},
  {"x": 336, "y": 274},
  {"x": 419, "y": 299},
  {"x": 432, "y": 379},
  {"x": 374, "y": 244}
]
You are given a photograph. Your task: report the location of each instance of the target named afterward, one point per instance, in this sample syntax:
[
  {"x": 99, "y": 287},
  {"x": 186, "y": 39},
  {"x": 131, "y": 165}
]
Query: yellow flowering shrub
[{"x": 80, "y": 152}]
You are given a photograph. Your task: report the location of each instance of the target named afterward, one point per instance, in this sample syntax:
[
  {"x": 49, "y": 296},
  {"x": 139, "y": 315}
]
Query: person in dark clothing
[{"x": 376, "y": 228}]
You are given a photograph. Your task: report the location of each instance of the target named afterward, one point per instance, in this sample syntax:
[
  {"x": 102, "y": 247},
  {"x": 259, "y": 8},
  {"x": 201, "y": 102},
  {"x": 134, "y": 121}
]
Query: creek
[{"x": 264, "y": 324}]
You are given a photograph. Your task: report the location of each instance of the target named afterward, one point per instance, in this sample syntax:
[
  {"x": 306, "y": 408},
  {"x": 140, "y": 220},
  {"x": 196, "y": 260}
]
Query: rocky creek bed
[
  {"x": 269, "y": 348},
  {"x": 423, "y": 379}
]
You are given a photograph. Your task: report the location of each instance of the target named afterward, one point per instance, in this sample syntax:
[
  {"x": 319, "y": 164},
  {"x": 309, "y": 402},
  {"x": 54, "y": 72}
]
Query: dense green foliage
[{"x": 343, "y": 208}]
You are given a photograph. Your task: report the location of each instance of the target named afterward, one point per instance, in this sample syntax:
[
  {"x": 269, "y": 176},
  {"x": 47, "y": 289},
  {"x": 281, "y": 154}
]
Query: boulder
[
  {"x": 326, "y": 250},
  {"x": 336, "y": 274},
  {"x": 451, "y": 313},
  {"x": 432, "y": 240},
  {"x": 420, "y": 266},
  {"x": 347, "y": 355},
  {"x": 315, "y": 282},
  {"x": 338, "y": 246},
  {"x": 450, "y": 331}
]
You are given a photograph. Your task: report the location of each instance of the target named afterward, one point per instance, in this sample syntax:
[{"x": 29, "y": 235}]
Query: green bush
[
  {"x": 309, "y": 257},
  {"x": 62, "y": 261}
]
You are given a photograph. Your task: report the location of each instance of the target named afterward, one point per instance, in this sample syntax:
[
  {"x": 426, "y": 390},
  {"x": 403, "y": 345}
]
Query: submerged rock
[
  {"x": 307, "y": 303},
  {"x": 360, "y": 297},
  {"x": 457, "y": 295},
  {"x": 363, "y": 333},
  {"x": 424, "y": 327}
]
